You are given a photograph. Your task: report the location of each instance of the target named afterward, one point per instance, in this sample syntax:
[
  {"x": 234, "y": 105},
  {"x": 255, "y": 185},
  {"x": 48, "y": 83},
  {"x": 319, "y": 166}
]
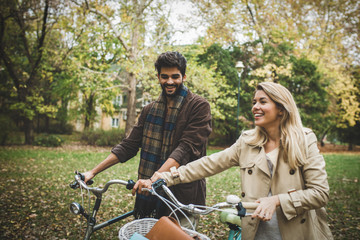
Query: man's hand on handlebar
[
  {"x": 140, "y": 184},
  {"x": 145, "y": 183},
  {"x": 88, "y": 176}
]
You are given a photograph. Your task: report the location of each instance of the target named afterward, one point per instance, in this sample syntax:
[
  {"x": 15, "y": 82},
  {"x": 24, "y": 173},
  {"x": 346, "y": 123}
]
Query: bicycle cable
[
  {"x": 174, "y": 208},
  {"x": 82, "y": 204}
]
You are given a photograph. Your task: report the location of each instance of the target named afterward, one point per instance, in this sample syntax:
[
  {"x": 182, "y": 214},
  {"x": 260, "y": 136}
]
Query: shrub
[
  {"x": 48, "y": 141},
  {"x": 7, "y": 127},
  {"x": 103, "y": 138},
  {"x": 58, "y": 128}
]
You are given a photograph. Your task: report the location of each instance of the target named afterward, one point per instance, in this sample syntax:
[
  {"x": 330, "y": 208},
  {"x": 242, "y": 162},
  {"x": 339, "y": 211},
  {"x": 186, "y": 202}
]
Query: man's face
[{"x": 170, "y": 80}]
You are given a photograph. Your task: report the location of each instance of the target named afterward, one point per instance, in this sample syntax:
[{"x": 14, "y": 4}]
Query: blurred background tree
[{"x": 61, "y": 64}]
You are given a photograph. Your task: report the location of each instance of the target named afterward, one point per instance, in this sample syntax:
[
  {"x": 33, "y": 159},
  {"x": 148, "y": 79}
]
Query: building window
[
  {"x": 115, "y": 122},
  {"x": 118, "y": 101},
  {"x": 124, "y": 114}
]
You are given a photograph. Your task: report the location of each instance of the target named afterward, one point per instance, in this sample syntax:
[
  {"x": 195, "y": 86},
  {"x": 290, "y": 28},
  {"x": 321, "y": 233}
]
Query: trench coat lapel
[{"x": 261, "y": 162}]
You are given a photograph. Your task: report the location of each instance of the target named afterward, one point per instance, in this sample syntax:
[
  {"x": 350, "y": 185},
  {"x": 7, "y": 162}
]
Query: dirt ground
[{"x": 333, "y": 148}]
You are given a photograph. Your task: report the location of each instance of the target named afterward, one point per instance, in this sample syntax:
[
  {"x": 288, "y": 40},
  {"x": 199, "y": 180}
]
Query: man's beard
[{"x": 178, "y": 88}]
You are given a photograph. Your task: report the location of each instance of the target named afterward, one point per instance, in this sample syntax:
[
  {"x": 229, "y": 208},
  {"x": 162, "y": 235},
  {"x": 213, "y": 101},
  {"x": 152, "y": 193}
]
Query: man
[{"x": 171, "y": 131}]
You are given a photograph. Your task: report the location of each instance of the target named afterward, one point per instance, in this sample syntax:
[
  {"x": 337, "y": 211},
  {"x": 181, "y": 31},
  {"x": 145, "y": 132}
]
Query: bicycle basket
[{"x": 144, "y": 225}]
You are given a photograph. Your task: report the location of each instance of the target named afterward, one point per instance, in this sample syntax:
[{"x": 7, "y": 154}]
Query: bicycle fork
[
  {"x": 235, "y": 232},
  {"x": 91, "y": 219}
]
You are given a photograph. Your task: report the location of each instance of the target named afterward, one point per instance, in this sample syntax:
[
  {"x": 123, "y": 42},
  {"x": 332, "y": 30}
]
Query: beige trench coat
[{"x": 303, "y": 192}]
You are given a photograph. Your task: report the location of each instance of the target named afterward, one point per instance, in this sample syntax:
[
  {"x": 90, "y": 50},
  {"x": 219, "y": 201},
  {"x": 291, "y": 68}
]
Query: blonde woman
[{"x": 281, "y": 169}]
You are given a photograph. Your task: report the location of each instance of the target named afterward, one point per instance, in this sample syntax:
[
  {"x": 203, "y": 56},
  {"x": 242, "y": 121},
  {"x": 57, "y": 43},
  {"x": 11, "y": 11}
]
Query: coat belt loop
[{"x": 295, "y": 198}]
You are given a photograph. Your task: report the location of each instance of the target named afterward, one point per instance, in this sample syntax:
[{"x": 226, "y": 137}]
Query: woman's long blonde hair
[{"x": 292, "y": 139}]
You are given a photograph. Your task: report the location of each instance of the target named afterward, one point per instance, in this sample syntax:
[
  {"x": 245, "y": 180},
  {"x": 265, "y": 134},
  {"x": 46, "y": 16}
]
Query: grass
[{"x": 35, "y": 193}]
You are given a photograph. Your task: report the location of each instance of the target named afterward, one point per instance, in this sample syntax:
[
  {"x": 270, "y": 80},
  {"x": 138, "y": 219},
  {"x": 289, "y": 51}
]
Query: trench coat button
[
  {"x": 292, "y": 171},
  {"x": 302, "y": 220},
  {"x": 242, "y": 194},
  {"x": 250, "y": 171}
]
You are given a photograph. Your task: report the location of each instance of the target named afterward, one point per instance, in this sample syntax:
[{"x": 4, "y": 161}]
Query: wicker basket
[{"x": 143, "y": 226}]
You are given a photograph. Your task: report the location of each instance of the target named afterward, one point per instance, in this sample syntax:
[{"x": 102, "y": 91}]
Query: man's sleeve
[
  {"x": 130, "y": 145},
  {"x": 194, "y": 137}
]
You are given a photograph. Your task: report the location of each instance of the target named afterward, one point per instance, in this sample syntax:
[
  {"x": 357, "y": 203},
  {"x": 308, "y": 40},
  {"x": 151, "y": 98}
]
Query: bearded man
[{"x": 171, "y": 131}]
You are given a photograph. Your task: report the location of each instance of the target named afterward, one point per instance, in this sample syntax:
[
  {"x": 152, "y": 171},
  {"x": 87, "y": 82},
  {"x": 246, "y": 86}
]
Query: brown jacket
[
  {"x": 303, "y": 192},
  {"x": 193, "y": 127}
]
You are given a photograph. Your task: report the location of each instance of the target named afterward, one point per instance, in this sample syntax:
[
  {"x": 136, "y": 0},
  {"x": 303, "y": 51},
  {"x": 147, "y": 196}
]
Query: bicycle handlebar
[
  {"x": 79, "y": 181},
  {"x": 231, "y": 202}
]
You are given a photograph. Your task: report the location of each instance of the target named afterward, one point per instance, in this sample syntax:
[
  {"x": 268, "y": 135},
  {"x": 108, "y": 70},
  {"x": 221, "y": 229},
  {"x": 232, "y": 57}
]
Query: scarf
[{"x": 157, "y": 144}]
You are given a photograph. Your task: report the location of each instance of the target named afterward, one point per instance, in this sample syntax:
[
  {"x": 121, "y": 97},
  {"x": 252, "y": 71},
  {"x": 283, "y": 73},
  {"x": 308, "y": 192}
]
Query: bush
[
  {"x": 7, "y": 126},
  {"x": 103, "y": 138},
  {"x": 48, "y": 141},
  {"x": 58, "y": 128}
]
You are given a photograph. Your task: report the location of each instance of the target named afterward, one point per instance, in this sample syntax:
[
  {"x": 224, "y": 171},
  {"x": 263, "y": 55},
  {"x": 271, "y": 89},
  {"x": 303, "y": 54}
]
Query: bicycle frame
[{"x": 77, "y": 209}]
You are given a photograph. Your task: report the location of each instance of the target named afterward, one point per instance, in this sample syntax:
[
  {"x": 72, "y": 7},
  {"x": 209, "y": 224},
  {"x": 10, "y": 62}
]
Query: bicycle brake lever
[
  {"x": 130, "y": 185},
  {"x": 158, "y": 183},
  {"x": 241, "y": 210}
]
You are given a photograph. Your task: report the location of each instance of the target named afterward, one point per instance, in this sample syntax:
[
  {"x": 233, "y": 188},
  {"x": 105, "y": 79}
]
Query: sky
[{"x": 179, "y": 11}]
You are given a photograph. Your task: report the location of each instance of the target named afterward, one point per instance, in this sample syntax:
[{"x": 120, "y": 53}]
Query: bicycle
[
  {"x": 232, "y": 210},
  {"x": 77, "y": 209}
]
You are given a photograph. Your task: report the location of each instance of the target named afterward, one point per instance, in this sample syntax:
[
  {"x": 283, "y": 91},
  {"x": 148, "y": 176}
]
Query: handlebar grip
[
  {"x": 82, "y": 177},
  {"x": 75, "y": 184},
  {"x": 130, "y": 185},
  {"x": 250, "y": 205}
]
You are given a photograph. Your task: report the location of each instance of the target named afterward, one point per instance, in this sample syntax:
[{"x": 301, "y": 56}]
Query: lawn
[{"x": 35, "y": 193}]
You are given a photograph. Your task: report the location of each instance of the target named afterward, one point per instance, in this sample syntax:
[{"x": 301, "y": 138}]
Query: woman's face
[{"x": 266, "y": 113}]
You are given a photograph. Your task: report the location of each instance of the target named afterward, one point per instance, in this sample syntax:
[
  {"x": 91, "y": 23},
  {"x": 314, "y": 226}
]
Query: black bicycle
[{"x": 77, "y": 209}]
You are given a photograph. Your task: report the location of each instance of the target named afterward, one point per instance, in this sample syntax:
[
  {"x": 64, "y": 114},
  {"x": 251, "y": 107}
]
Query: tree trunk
[
  {"x": 133, "y": 56},
  {"x": 89, "y": 111},
  {"x": 131, "y": 106},
  {"x": 322, "y": 143},
  {"x": 29, "y": 131},
  {"x": 47, "y": 124}
]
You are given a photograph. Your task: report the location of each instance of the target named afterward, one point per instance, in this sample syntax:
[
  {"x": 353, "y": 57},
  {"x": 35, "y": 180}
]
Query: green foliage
[
  {"x": 7, "y": 127},
  {"x": 24, "y": 39},
  {"x": 220, "y": 59},
  {"x": 59, "y": 128},
  {"x": 103, "y": 138},
  {"x": 309, "y": 90},
  {"x": 48, "y": 141},
  {"x": 302, "y": 78},
  {"x": 350, "y": 135}
]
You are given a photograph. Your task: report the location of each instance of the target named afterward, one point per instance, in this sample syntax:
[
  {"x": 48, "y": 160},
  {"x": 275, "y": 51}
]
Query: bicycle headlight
[{"x": 76, "y": 208}]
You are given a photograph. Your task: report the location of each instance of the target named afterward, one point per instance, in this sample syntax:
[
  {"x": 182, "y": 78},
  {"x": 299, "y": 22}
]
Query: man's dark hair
[{"x": 171, "y": 59}]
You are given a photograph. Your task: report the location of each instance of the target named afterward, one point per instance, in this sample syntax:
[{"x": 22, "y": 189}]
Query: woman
[{"x": 281, "y": 169}]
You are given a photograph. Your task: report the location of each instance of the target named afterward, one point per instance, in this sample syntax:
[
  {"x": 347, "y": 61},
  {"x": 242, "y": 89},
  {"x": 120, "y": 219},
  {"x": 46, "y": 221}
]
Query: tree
[
  {"x": 131, "y": 30},
  {"x": 303, "y": 80},
  {"x": 349, "y": 132},
  {"x": 224, "y": 64},
  {"x": 324, "y": 32},
  {"x": 24, "y": 27}
]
